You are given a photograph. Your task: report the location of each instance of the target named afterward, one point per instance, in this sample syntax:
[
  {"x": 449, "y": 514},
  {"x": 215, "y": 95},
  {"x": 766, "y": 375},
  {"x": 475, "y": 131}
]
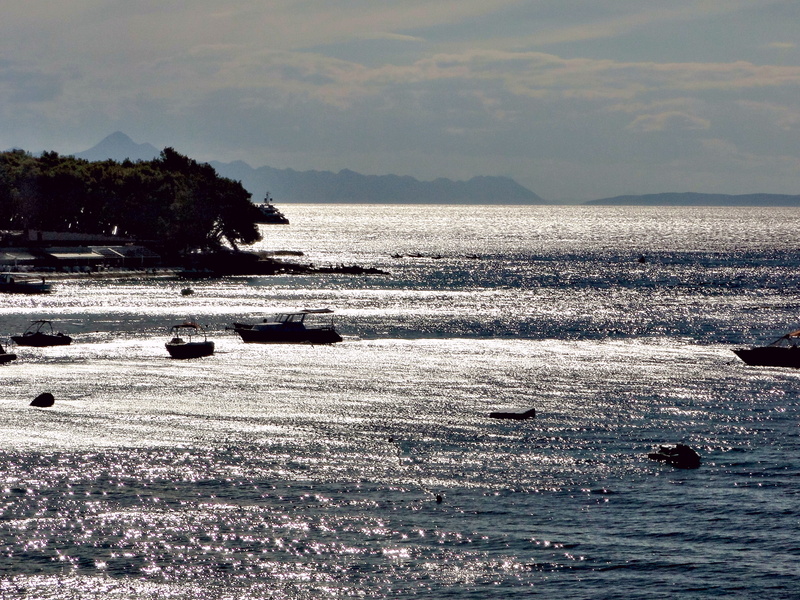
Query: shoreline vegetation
[{"x": 61, "y": 216}]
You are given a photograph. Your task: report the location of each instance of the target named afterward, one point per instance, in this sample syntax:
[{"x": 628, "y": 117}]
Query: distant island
[
  {"x": 346, "y": 186},
  {"x": 696, "y": 199}
]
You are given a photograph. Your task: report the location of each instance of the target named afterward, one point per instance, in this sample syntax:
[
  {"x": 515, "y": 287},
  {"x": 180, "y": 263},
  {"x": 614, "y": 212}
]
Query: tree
[{"x": 173, "y": 200}]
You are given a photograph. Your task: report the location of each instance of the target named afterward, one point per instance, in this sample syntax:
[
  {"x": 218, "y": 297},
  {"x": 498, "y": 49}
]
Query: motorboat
[
  {"x": 178, "y": 347},
  {"x": 41, "y": 333},
  {"x": 6, "y": 356},
  {"x": 23, "y": 284},
  {"x": 783, "y": 352},
  {"x": 270, "y": 213},
  {"x": 289, "y": 328}
]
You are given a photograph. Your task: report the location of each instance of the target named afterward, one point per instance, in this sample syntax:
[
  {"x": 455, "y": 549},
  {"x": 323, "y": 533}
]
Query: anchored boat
[
  {"x": 6, "y": 356},
  {"x": 270, "y": 213},
  {"x": 178, "y": 347},
  {"x": 22, "y": 284},
  {"x": 289, "y": 328},
  {"x": 40, "y": 334}
]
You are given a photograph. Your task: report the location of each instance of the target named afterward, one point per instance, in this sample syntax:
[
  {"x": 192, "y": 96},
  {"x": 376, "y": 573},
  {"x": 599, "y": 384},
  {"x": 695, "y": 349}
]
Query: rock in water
[
  {"x": 679, "y": 455},
  {"x": 43, "y": 400}
]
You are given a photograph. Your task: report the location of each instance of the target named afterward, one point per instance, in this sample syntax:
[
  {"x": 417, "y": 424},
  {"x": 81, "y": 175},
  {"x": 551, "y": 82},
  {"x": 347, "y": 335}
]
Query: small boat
[
  {"x": 289, "y": 328},
  {"x": 514, "y": 416},
  {"x": 41, "y": 333},
  {"x": 189, "y": 347},
  {"x": 270, "y": 213},
  {"x": 783, "y": 352},
  {"x": 23, "y": 284},
  {"x": 6, "y": 356}
]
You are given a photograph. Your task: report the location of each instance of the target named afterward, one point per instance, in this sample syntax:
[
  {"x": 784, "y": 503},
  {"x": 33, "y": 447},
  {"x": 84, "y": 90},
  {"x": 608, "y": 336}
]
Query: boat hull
[
  {"x": 41, "y": 340},
  {"x": 20, "y": 284},
  {"x": 190, "y": 349},
  {"x": 770, "y": 356},
  {"x": 26, "y": 288},
  {"x": 288, "y": 335},
  {"x": 7, "y": 357},
  {"x": 272, "y": 220}
]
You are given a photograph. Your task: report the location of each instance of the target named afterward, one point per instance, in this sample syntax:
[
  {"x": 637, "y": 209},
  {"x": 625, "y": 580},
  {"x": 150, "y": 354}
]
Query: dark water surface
[{"x": 308, "y": 472}]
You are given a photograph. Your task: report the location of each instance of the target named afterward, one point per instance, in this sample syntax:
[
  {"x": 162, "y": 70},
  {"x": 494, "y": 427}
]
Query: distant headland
[
  {"x": 696, "y": 199},
  {"x": 288, "y": 185},
  {"x": 349, "y": 187}
]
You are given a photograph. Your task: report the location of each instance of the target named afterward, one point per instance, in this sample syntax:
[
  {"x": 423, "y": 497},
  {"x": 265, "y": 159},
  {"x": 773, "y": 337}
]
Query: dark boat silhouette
[
  {"x": 270, "y": 213},
  {"x": 22, "y": 284},
  {"x": 783, "y": 352},
  {"x": 289, "y": 328},
  {"x": 178, "y": 347},
  {"x": 6, "y": 356},
  {"x": 40, "y": 334}
]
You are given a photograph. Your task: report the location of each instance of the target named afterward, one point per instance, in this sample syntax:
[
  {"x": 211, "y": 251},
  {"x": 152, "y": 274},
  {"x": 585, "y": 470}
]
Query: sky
[{"x": 574, "y": 99}]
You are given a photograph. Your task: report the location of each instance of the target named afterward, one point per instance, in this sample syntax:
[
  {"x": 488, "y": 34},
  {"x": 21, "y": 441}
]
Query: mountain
[
  {"x": 697, "y": 199},
  {"x": 119, "y": 146},
  {"x": 288, "y": 185}
]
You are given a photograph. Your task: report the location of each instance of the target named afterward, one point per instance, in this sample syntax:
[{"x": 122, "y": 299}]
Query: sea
[{"x": 370, "y": 468}]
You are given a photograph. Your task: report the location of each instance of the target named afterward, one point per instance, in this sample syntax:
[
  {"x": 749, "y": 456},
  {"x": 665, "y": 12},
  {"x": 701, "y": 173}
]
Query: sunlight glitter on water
[{"x": 294, "y": 472}]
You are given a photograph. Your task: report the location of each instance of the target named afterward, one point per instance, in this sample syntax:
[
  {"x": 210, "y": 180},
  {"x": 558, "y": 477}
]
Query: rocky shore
[{"x": 210, "y": 265}]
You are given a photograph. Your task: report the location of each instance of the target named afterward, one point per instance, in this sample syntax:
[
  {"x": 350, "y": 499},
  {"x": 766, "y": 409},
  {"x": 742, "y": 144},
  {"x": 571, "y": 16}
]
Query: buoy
[{"x": 43, "y": 400}]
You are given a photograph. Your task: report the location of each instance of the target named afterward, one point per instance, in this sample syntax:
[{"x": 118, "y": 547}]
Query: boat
[
  {"x": 178, "y": 347},
  {"x": 514, "y": 416},
  {"x": 23, "y": 284},
  {"x": 783, "y": 352},
  {"x": 270, "y": 213},
  {"x": 6, "y": 356},
  {"x": 289, "y": 328},
  {"x": 41, "y": 333}
]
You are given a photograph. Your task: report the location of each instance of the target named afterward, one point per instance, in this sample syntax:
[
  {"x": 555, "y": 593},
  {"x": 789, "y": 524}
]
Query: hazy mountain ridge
[
  {"x": 119, "y": 146},
  {"x": 346, "y": 186},
  {"x": 699, "y": 199}
]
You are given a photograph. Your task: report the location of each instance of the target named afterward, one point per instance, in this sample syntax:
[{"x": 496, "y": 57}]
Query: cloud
[
  {"x": 20, "y": 83},
  {"x": 395, "y": 37},
  {"x": 417, "y": 87},
  {"x": 724, "y": 153},
  {"x": 536, "y": 74},
  {"x": 782, "y": 45},
  {"x": 177, "y": 52},
  {"x": 785, "y": 117},
  {"x": 569, "y": 21},
  {"x": 672, "y": 119}
]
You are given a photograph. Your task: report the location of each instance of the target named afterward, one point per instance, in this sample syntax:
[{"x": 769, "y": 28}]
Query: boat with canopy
[{"x": 183, "y": 345}]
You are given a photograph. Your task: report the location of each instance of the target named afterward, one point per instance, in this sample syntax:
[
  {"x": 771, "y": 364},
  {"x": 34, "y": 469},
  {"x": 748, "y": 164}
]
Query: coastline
[{"x": 262, "y": 267}]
